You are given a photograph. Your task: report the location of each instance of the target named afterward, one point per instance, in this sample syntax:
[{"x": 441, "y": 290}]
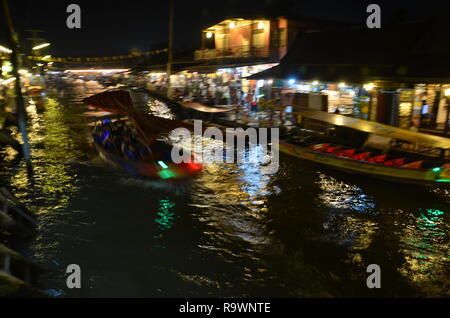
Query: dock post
[
  {"x": 7, "y": 264},
  {"x": 14, "y": 43},
  {"x": 170, "y": 49}
]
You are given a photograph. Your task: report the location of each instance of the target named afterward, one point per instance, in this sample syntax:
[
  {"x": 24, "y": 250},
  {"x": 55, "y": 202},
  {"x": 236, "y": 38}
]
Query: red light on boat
[{"x": 194, "y": 166}]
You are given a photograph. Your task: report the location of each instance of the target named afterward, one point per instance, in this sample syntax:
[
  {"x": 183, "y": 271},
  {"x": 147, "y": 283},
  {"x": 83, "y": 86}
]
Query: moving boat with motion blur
[
  {"x": 129, "y": 139},
  {"x": 369, "y": 148}
]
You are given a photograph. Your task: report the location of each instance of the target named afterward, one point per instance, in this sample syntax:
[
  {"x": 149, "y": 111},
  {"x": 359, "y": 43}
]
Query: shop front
[
  {"x": 213, "y": 86},
  {"x": 342, "y": 98}
]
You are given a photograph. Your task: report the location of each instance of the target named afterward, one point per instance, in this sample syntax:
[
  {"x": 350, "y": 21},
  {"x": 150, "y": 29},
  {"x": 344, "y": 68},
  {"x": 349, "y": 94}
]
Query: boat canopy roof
[
  {"x": 379, "y": 129},
  {"x": 119, "y": 102},
  {"x": 206, "y": 109}
]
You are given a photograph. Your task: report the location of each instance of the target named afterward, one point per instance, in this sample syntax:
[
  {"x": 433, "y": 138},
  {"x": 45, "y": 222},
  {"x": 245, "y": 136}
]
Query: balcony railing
[{"x": 235, "y": 52}]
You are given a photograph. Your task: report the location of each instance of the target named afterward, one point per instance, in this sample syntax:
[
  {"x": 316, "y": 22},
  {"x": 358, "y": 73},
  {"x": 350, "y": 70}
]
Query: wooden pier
[
  {"x": 17, "y": 274},
  {"x": 15, "y": 218}
]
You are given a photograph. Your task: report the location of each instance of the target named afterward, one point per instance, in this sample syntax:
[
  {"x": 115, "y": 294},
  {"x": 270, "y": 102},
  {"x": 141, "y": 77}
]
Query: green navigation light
[{"x": 166, "y": 174}]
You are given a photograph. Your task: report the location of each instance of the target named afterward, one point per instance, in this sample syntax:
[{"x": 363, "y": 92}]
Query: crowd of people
[
  {"x": 222, "y": 97},
  {"x": 122, "y": 140}
]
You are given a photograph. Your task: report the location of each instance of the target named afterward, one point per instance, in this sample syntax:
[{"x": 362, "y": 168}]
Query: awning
[{"x": 379, "y": 129}]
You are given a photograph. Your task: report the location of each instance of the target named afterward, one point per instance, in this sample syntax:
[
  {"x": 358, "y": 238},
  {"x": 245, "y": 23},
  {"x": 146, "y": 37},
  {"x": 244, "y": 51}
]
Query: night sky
[{"x": 114, "y": 27}]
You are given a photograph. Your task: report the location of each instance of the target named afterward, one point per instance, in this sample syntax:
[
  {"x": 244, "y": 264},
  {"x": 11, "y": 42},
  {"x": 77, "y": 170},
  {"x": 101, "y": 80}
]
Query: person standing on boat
[
  {"x": 254, "y": 106},
  {"x": 248, "y": 101}
]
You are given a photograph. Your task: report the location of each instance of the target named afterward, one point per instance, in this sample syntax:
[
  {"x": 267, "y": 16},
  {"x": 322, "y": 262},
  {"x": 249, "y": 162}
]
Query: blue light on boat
[{"x": 163, "y": 165}]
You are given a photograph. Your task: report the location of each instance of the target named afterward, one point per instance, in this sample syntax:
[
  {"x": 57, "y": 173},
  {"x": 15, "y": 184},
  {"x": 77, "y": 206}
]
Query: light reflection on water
[
  {"x": 165, "y": 215},
  {"x": 237, "y": 230},
  {"x": 426, "y": 250}
]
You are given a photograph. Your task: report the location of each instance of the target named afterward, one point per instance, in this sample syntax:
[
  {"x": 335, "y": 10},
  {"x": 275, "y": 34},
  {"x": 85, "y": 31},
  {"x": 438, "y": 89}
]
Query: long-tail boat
[
  {"x": 369, "y": 148},
  {"x": 131, "y": 143}
]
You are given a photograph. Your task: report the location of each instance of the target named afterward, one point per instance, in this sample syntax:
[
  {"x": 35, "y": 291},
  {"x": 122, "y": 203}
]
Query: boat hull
[
  {"x": 146, "y": 169},
  {"x": 396, "y": 174}
]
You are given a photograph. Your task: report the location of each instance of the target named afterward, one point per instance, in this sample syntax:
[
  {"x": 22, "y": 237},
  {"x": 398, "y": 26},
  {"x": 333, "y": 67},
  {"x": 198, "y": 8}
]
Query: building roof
[
  {"x": 319, "y": 23},
  {"x": 409, "y": 51}
]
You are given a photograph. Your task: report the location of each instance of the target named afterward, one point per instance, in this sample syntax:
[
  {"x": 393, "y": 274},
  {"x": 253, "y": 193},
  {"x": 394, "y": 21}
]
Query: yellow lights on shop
[
  {"x": 342, "y": 85},
  {"x": 369, "y": 86},
  {"x": 270, "y": 82},
  {"x": 315, "y": 83},
  {"x": 447, "y": 92},
  {"x": 5, "y": 49},
  {"x": 8, "y": 81},
  {"x": 208, "y": 35},
  {"x": 116, "y": 70},
  {"x": 241, "y": 22}
]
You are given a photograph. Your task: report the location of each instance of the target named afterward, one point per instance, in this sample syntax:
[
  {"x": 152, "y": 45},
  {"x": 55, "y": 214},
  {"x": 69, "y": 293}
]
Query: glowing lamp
[
  {"x": 209, "y": 35},
  {"x": 166, "y": 174},
  {"x": 369, "y": 86},
  {"x": 447, "y": 92},
  {"x": 194, "y": 166},
  {"x": 40, "y": 46},
  {"x": 5, "y": 49},
  {"x": 163, "y": 165}
]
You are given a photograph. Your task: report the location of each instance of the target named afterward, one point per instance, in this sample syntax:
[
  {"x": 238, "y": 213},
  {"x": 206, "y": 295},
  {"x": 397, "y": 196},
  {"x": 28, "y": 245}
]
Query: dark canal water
[{"x": 234, "y": 231}]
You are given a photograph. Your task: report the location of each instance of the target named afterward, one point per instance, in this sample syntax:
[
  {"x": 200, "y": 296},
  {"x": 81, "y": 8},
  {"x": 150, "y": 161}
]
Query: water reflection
[
  {"x": 425, "y": 245},
  {"x": 238, "y": 230},
  {"x": 165, "y": 215}
]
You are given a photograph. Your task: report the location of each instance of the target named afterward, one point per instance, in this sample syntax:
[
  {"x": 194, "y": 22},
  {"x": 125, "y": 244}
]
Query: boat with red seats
[{"x": 369, "y": 148}]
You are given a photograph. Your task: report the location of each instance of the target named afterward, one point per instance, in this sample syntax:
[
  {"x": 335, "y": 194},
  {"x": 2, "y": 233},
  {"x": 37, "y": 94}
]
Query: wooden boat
[
  {"x": 200, "y": 111},
  {"x": 369, "y": 148},
  {"x": 135, "y": 147},
  {"x": 206, "y": 109},
  {"x": 153, "y": 162}
]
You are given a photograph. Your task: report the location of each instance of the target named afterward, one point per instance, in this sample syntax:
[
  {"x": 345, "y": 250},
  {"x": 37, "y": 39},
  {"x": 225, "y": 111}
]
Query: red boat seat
[
  {"x": 319, "y": 147},
  {"x": 377, "y": 159},
  {"x": 414, "y": 165},
  {"x": 346, "y": 153},
  {"x": 362, "y": 156},
  {"x": 395, "y": 162},
  {"x": 333, "y": 149}
]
